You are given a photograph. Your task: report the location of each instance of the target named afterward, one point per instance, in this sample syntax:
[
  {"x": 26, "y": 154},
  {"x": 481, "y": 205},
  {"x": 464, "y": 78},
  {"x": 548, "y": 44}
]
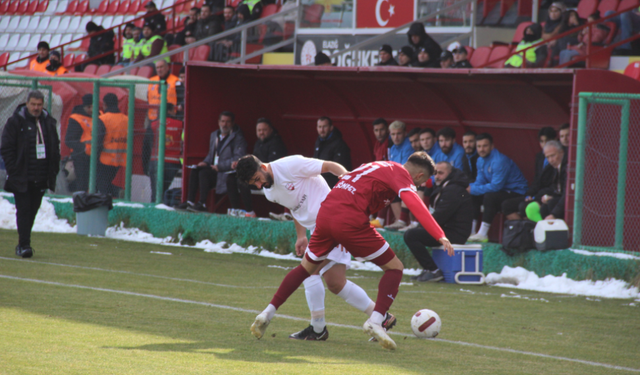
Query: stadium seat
[
  {"x": 83, "y": 8},
  {"x": 4, "y": 23},
  {"x": 25, "y": 61},
  {"x": 519, "y": 33},
  {"x": 12, "y": 43},
  {"x": 33, "y": 22},
  {"x": 33, "y": 6},
  {"x": 632, "y": 70},
  {"x": 24, "y": 23},
  {"x": 22, "y": 8},
  {"x": 71, "y": 7},
  {"x": 480, "y": 56},
  {"x": 77, "y": 42},
  {"x": 312, "y": 15},
  {"x": 51, "y": 7},
  {"x": 606, "y": 5},
  {"x": 54, "y": 23},
  {"x": 13, "y": 7},
  {"x": 123, "y": 7},
  {"x": 134, "y": 7},
  {"x": 107, "y": 22},
  {"x": 4, "y": 40},
  {"x": 133, "y": 71},
  {"x": 74, "y": 24},
  {"x": 113, "y": 7},
  {"x": 33, "y": 43},
  {"x": 15, "y": 22},
  {"x": 145, "y": 71},
  {"x": 269, "y": 10},
  {"x": 587, "y": 8},
  {"x": 64, "y": 24},
  {"x": 43, "y": 5},
  {"x": 102, "y": 8},
  {"x": 97, "y": 20},
  {"x": 80, "y": 58},
  {"x": 55, "y": 40},
  {"x": 470, "y": 51},
  {"x": 84, "y": 44},
  {"x": 612, "y": 33},
  {"x": 68, "y": 59},
  {"x": 83, "y": 23},
  {"x": 139, "y": 23},
  {"x": 43, "y": 25},
  {"x": 45, "y": 38},
  {"x": 200, "y": 53},
  {"x": 117, "y": 20},
  {"x": 23, "y": 43},
  {"x": 62, "y": 6},
  {"x": 90, "y": 69},
  {"x": 4, "y": 5},
  {"x": 4, "y": 59},
  {"x": 626, "y": 4},
  {"x": 103, "y": 69},
  {"x": 66, "y": 38}
]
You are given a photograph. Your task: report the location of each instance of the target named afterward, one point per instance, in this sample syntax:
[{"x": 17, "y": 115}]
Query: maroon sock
[
  {"x": 404, "y": 215},
  {"x": 387, "y": 290},
  {"x": 290, "y": 284}
]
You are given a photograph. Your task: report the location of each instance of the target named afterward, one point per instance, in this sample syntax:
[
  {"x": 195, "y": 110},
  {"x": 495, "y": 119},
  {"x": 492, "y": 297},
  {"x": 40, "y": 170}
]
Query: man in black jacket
[
  {"x": 157, "y": 20},
  {"x": 31, "y": 152},
  {"x": 100, "y": 43},
  {"x": 453, "y": 210},
  {"x": 418, "y": 38},
  {"x": 386, "y": 56},
  {"x": 470, "y": 159},
  {"x": 330, "y": 146},
  {"x": 208, "y": 24}
]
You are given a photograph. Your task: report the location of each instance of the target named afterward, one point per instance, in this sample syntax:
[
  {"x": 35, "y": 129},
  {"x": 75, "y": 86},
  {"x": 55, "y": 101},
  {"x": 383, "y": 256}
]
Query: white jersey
[{"x": 298, "y": 186}]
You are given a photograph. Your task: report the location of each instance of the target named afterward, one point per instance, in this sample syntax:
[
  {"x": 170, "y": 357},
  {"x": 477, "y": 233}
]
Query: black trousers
[
  {"x": 513, "y": 205},
  {"x": 170, "y": 172},
  {"x": 81, "y": 164},
  {"x": 27, "y": 206},
  {"x": 203, "y": 179},
  {"x": 237, "y": 191},
  {"x": 492, "y": 203},
  {"x": 104, "y": 180},
  {"x": 418, "y": 239}
]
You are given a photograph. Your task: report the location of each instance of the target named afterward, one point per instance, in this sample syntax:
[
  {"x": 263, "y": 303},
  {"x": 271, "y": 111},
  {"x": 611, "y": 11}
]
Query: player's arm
[
  {"x": 333, "y": 168},
  {"x": 301, "y": 242},
  {"x": 420, "y": 211}
]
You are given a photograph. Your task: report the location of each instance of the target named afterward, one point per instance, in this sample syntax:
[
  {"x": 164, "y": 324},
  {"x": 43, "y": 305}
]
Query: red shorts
[{"x": 356, "y": 235}]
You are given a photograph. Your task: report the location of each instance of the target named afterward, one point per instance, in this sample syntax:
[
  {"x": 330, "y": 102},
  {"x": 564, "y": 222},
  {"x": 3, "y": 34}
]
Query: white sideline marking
[{"x": 590, "y": 363}]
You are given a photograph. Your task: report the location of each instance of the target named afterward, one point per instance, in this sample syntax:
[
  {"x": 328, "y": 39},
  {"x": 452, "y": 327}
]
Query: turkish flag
[{"x": 384, "y": 13}]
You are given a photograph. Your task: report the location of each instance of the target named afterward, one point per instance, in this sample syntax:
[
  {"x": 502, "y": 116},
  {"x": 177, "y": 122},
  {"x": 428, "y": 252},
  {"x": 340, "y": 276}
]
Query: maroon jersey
[{"x": 369, "y": 188}]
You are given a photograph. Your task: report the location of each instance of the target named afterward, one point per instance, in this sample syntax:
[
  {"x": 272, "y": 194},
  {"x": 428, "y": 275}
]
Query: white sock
[
  {"x": 381, "y": 220},
  {"x": 270, "y": 311},
  {"x": 314, "y": 291},
  {"x": 474, "y": 226},
  {"x": 355, "y": 296},
  {"x": 484, "y": 228},
  {"x": 376, "y": 318}
]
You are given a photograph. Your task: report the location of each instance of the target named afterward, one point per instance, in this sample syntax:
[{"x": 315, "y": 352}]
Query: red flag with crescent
[{"x": 384, "y": 13}]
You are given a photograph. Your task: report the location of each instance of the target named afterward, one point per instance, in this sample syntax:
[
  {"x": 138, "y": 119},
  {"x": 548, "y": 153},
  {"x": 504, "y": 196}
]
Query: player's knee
[{"x": 335, "y": 286}]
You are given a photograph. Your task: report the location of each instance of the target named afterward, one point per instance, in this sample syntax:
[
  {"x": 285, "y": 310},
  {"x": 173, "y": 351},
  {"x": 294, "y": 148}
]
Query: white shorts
[{"x": 339, "y": 255}]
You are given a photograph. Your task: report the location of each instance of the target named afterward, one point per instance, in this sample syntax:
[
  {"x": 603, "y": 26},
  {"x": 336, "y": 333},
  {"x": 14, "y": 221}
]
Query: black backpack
[{"x": 517, "y": 236}]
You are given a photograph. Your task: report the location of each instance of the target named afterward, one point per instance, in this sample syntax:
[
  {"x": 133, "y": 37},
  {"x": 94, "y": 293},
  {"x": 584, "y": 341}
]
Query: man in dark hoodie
[
  {"x": 100, "y": 43},
  {"x": 330, "y": 146},
  {"x": 78, "y": 139},
  {"x": 418, "y": 38},
  {"x": 386, "y": 56},
  {"x": 31, "y": 152},
  {"x": 452, "y": 209}
]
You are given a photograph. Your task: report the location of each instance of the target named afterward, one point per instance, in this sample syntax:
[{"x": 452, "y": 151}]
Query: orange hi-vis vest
[
  {"x": 114, "y": 150},
  {"x": 173, "y": 140},
  {"x": 154, "y": 97},
  {"x": 60, "y": 71},
  {"x": 39, "y": 67},
  {"x": 86, "y": 123}
]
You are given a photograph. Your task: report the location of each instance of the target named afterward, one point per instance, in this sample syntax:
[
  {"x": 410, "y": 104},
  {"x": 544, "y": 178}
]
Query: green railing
[{"x": 34, "y": 83}]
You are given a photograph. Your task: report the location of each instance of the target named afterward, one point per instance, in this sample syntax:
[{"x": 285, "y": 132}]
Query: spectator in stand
[
  {"x": 180, "y": 95},
  {"x": 154, "y": 44},
  {"x": 321, "y": 59},
  {"x": 629, "y": 25},
  {"x": 449, "y": 150},
  {"x": 571, "y": 20},
  {"x": 423, "y": 59},
  {"x": 547, "y": 191},
  {"x": 386, "y": 56},
  {"x": 128, "y": 44},
  {"x": 460, "y": 58},
  {"x": 555, "y": 24},
  {"x": 226, "y": 146},
  {"x": 156, "y": 21},
  {"x": 452, "y": 208},
  {"x": 269, "y": 147},
  {"x": 405, "y": 56},
  {"x": 100, "y": 43},
  {"x": 216, "y": 6},
  {"x": 399, "y": 152},
  {"x": 499, "y": 179},
  {"x": 598, "y": 35},
  {"x": 446, "y": 60},
  {"x": 223, "y": 47},
  {"x": 418, "y": 38},
  {"x": 534, "y": 57},
  {"x": 428, "y": 142},
  {"x": 470, "y": 158},
  {"x": 189, "y": 30},
  {"x": 139, "y": 39},
  {"x": 39, "y": 64},
  {"x": 55, "y": 67},
  {"x": 330, "y": 146},
  {"x": 172, "y": 150},
  {"x": 229, "y": 17},
  {"x": 114, "y": 146},
  {"x": 414, "y": 139},
  {"x": 563, "y": 135},
  {"x": 255, "y": 8},
  {"x": 381, "y": 145},
  {"x": 208, "y": 24},
  {"x": 153, "y": 90},
  {"x": 78, "y": 139}
]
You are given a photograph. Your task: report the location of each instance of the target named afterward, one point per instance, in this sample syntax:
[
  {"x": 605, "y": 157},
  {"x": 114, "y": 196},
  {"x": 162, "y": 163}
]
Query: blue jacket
[
  {"x": 454, "y": 157},
  {"x": 434, "y": 150},
  {"x": 496, "y": 172},
  {"x": 400, "y": 154}
]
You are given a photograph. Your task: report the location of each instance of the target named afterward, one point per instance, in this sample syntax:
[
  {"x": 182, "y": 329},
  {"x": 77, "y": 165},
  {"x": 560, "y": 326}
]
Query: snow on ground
[{"x": 518, "y": 277}]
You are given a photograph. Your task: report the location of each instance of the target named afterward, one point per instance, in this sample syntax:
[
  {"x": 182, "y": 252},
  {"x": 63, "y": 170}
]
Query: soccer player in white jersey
[{"x": 295, "y": 182}]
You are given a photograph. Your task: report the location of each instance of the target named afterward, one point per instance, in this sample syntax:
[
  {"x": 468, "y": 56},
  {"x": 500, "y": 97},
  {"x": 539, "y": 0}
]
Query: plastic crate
[{"x": 452, "y": 265}]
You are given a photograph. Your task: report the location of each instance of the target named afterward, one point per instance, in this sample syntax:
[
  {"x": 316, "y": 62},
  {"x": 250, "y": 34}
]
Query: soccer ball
[{"x": 425, "y": 324}]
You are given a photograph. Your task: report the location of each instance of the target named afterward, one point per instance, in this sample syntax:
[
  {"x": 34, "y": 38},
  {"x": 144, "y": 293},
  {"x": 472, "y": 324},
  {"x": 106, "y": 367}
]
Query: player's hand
[
  {"x": 301, "y": 246},
  {"x": 446, "y": 246}
]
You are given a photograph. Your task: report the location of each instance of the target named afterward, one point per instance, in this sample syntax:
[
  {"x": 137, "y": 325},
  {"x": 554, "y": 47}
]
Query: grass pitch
[{"x": 99, "y": 306}]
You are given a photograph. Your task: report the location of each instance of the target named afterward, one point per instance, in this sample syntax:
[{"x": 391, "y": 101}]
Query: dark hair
[
  {"x": 413, "y": 132},
  {"x": 129, "y": 25},
  {"x": 422, "y": 160},
  {"x": 91, "y": 27},
  {"x": 230, "y": 7},
  {"x": 564, "y": 126},
  {"x": 35, "y": 94},
  {"x": 43, "y": 44},
  {"x": 326, "y": 118},
  {"x": 379, "y": 121},
  {"x": 548, "y": 132},
  {"x": 208, "y": 6},
  {"x": 196, "y": 9},
  {"x": 596, "y": 15},
  {"x": 447, "y": 133},
  {"x": 482, "y": 136},
  {"x": 247, "y": 166},
  {"x": 470, "y": 132},
  {"x": 228, "y": 114},
  {"x": 266, "y": 121},
  {"x": 182, "y": 70},
  {"x": 428, "y": 130}
]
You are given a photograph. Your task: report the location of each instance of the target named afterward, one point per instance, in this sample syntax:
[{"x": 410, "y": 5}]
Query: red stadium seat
[
  {"x": 480, "y": 56},
  {"x": 470, "y": 51},
  {"x": 4, "y": 59},
  {"x": 312, "y": 15},
  {"x": 269, "y": 10},
  {"x": 145, "y": 71},
  {"x": 33, "y": 6},
  {"x": 4, "y": 6},
  {"x": 524, "y": 8},
  {"x": 103, "y": 69},
  {"x": 102, "y": 8},
  {"x": 84, "y": 45},
  {"x": 83, "y": 7},
  {"x": 133, "y": 71},
  {"x": 22, "y": 8},
  {"x": 600, "y": 60},
  {"x": 139, "y": 23},
  {"x": 626, "y": 4},
  {"x": 112, "y": 9},
  {"x": 606, "y": 5},
  {"x": 124, "y": 7},
  {"x": 80, "y": 58},
  {"x": 612, "y": 33},
  {"x": 587, "y": 8},
  {"x": 499, "y": 52},
  {"x": 13, "y": 7},
  {"x": 133, "y": 7},
  {"x": 68, "y": 59},
  {"x": 91, "y": 69},
  {"x": 519, "y": 33},
  {"x": 200, "y": 53},
  {"x": 71, "y": 7},
  {"x": 632, "y": 70},
  {"x": 42, "y": 6}
]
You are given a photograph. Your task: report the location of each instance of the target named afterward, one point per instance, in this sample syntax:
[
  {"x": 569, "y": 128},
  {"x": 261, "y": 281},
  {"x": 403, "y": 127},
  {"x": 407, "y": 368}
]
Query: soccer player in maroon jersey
[{"x": 344, "y": 219}]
